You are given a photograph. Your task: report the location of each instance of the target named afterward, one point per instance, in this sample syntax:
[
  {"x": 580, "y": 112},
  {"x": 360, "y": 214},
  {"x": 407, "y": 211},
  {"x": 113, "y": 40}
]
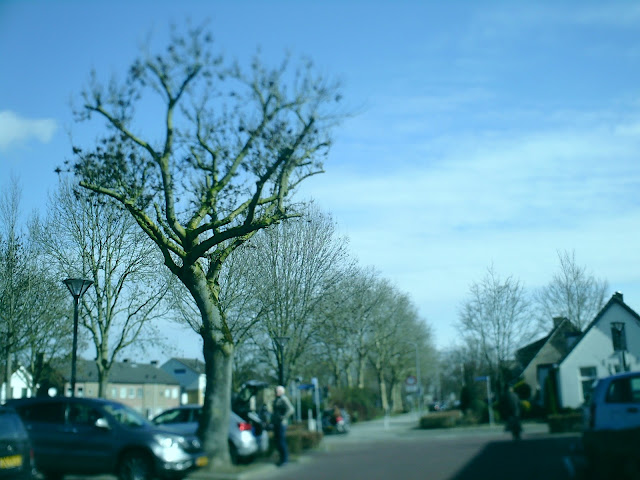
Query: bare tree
[
  {"x": 496, "y": 316},
  {"x": 296, "y": 264},
  {"x": 95, "y": 239},
  {"x": 230, "y": 148},
  {"x": 572, "y": 293},
  {"x": 31, "y": 319}
]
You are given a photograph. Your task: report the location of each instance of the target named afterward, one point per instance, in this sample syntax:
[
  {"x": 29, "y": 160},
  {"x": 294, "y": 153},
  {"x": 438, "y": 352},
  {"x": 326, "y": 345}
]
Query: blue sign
[{"x": 481, "y": 379}]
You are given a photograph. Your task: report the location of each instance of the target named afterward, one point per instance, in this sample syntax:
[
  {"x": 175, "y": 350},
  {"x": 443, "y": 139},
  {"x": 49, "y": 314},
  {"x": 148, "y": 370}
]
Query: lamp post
[
  {"x": 281, "y": 341},
  {"x": 77, "y": 287}
]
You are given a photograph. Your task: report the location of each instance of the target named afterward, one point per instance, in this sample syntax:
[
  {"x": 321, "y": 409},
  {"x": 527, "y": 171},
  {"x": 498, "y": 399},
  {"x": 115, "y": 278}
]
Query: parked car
[
  {"x": 611, "y": 436},
  {"x": 89, "y": 436},
  {"x": 16, "y": 454},
  {"x": 244, "y": 441}
]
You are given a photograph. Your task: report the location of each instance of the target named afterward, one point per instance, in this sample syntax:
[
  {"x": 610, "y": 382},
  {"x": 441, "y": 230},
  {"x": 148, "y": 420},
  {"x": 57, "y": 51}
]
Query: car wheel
[{"x": 135, "y": 466}]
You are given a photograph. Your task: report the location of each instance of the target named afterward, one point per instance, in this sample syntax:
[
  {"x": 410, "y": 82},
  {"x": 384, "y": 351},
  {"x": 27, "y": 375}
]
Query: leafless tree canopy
[
  {"x": 497, "y": 317},
  {"x": 87, "y": 237},
  {"x": 572, "y": 293}
]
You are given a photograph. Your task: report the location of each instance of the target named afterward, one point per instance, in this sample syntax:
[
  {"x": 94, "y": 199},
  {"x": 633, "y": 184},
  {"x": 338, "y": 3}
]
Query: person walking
[
  {"x": 282, "y": 410},
  {"x": 512, "y": 407}
]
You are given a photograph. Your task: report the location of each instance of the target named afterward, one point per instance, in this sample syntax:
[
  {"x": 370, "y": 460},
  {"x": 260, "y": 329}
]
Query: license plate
[
  {"x": 12, "y": 461},
  {"x": 202, "y": 461}
]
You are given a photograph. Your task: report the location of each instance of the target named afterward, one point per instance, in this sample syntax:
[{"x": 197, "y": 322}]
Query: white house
[
  {"x": 20, "y": 385},
  {"x": 610, "y": 344}
]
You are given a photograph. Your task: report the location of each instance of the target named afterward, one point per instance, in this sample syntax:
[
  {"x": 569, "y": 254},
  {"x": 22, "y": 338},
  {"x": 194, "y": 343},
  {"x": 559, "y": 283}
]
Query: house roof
[
  {"x": 121, "y": 372},
  {"x": 616, "y": 299},
  {"x": 528, "y": 353},
  {"x": 193, "y": 364}
]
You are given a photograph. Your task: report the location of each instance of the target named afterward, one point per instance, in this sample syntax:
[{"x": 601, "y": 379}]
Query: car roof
[
  {"x": 41, "y": 400},
  {"x": 621, "y": 375}
]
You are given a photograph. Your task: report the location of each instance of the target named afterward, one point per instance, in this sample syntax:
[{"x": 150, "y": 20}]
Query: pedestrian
[
  {"x": 282, "y": 410},
  {"x": 512, "y": 410}
]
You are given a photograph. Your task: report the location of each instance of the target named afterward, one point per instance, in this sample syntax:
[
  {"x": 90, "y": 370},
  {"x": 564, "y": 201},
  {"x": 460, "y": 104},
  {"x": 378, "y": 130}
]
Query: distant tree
[
  {"x": 32, "y": 321},
  {"x": 496, "y": 317},
  {"x": 572, "y": 293},
  {"x": 88, "y": 237},
  {"x": 295, "y": 266},
  {"x": 228, "y": 151}
]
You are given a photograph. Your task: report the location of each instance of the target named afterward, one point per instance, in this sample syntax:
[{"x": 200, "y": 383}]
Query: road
[{"x": 396, "y": 450}]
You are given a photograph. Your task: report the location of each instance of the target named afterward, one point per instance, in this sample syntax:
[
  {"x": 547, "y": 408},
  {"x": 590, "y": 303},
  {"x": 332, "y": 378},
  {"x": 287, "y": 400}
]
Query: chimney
[{"x": 618, "y": 296}]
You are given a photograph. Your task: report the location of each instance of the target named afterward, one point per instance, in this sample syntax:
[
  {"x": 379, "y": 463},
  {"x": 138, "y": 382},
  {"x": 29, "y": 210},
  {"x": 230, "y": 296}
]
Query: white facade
[
  {"x": 594, "y": 355},
  {"x": 20, "y": 385}
]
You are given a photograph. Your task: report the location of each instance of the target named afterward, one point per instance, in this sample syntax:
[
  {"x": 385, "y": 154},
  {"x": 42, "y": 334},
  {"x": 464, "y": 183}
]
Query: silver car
[{"x": 245, "y": 443}]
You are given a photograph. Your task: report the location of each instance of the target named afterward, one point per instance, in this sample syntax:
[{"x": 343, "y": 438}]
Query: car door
[
  {"x": 92, "y": 446},
  {"x": 622, "y": 404},
  {"x": 45, "y": 423}
]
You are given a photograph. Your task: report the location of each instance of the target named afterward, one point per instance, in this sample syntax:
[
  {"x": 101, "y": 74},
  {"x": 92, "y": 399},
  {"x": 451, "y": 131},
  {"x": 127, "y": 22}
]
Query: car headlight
[{"x": 168, "y": 441}]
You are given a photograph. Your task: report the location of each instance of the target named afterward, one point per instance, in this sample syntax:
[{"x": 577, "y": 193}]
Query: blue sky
[{"x": 487, "y": 132}]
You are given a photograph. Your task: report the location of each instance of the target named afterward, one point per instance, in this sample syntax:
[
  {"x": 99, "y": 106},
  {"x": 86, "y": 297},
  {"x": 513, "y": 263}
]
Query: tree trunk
[
  {"x": 383, "y": 390},
  {"x": 214, "y": 427}
]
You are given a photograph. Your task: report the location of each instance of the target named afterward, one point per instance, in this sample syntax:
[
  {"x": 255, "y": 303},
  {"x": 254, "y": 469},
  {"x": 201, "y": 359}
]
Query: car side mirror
[{"x": 102, "y": 424}]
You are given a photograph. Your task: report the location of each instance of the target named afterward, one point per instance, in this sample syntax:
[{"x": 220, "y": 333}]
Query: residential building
[
  {"x": 609, "y": 344},
  {"x": 572, "y": 362},
  {"x": 190, "y": 374},
  {"x": 20, "y": 385},
  {"x": 142, "y": 386},
  {"x": 538, "y": 358}
]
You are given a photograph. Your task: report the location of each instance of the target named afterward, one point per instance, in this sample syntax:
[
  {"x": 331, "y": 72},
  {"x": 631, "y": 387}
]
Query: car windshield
[{"x": 125, "y": 415}]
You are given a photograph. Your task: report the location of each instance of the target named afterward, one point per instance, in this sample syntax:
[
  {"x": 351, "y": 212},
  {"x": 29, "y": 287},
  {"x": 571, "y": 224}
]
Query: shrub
[
  {"x": 359, "y": 402},
  {"x": 446, "y": 419}
]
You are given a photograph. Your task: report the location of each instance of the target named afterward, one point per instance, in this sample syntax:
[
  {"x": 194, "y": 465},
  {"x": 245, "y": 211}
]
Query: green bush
[
  {"x": 446, "y": 419},
  {"x": 359, "y": 402},
  {"x": 565, "y": 422}
]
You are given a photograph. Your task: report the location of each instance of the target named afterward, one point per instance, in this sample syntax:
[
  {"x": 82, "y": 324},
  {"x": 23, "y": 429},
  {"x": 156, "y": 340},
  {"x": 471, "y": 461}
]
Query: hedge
[{"x": 445, "y": 419}]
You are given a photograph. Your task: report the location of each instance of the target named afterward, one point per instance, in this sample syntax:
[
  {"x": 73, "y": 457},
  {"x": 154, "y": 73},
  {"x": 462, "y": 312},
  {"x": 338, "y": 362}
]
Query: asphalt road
[{"x": 398, "y": 451}]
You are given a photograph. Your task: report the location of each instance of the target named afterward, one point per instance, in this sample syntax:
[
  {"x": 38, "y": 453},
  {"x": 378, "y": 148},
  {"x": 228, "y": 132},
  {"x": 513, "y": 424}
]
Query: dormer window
[{"x": 618, "y": 336}]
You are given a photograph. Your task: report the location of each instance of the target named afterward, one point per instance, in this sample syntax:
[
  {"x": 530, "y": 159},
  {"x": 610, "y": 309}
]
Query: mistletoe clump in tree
[{"x": 228, "y": 149}]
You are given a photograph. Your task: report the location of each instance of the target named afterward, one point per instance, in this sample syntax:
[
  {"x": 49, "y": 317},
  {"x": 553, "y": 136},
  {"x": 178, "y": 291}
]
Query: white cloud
[{"x": 15, "y": 129}]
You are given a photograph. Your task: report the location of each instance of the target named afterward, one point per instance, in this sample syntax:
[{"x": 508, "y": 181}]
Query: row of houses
[
  {"x": 565, "y": 363},
  {"x": 146, "y": 387}
]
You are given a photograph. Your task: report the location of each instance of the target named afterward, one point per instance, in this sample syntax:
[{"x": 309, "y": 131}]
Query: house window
[
  {"x": 114, "y": 393},
  {"x": 167, "y": 394},
  {"x": 123, "y": 392},
  {"x": 140, "y": 393},
  {"x": 180, "y": 371},
  {"x": 588, "y": 376},
  {"x": 132, "y": 392},
  {"x": 80, "y": 392},
  {"x": 174, "y": 393},
  {"x": 618, "y": 336}
]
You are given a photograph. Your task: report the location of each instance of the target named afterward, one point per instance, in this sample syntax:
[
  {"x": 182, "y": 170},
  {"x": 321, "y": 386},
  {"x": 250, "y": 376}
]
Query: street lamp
[
  {"x": 77, "y": 287},
  {"x": 281, "y": 341}
]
